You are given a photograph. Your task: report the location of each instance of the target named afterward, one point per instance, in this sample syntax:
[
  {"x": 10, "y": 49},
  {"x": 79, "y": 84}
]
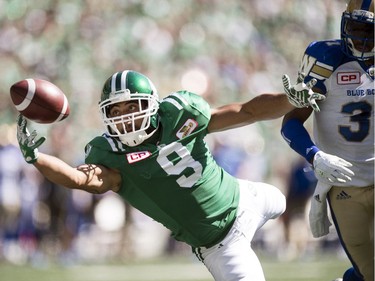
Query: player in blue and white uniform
[{"x": 342, "y": 149}]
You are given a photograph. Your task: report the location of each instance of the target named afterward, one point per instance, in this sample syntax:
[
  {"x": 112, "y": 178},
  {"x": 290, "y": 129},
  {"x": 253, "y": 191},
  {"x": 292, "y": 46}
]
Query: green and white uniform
[{"x": 172, "y": 177}]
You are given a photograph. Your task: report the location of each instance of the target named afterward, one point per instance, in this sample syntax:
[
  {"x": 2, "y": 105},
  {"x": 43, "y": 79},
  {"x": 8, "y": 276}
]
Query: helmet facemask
[
  {"x": 357, "y": 33},
  {"x": 136, "y": 126}
]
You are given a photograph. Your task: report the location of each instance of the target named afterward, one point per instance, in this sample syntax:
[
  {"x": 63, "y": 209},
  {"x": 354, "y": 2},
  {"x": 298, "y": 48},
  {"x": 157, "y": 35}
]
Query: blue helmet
[{"x": 357, "y": 29}]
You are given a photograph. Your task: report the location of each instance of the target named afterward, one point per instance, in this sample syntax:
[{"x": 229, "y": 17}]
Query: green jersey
[{"x": 172, "y": 177}]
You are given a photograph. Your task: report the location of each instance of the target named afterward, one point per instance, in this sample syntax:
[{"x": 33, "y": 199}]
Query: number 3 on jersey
[
  {"x": 361, "y": 118},
  {"x": 175, "y": 159}
]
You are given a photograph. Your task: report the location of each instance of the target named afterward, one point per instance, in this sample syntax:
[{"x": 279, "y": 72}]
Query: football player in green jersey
[{"x": 153, "y": 154}]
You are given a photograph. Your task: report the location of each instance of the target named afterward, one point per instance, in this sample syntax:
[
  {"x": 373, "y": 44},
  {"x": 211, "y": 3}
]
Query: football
[{"x": 39, "y": 100}]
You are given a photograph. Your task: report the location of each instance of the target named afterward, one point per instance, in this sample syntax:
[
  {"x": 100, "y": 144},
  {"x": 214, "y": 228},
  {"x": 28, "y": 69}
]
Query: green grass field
[{"x": 325, "y": 268}]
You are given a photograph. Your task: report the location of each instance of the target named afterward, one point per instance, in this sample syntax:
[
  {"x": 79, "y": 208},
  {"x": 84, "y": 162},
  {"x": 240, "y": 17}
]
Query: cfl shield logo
[
  {"x": 345, "y": 78},
  {"x": 137, "y": 156},
  {"x": 188, "y": 127}
]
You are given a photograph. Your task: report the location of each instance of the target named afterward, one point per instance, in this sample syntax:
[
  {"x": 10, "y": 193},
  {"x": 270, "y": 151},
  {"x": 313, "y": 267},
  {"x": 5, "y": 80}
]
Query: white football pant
[{"x": 233, "y": 259}]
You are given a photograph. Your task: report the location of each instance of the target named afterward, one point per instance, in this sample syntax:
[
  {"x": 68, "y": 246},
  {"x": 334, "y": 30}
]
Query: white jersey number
[{"x": 175, "y": 159}]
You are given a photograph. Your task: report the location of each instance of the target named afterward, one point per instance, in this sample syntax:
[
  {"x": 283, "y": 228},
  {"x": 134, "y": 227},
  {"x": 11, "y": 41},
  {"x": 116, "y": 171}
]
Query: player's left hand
[
  {"x": 26, "y": 141},
  {"x": 301, "y": 94}
]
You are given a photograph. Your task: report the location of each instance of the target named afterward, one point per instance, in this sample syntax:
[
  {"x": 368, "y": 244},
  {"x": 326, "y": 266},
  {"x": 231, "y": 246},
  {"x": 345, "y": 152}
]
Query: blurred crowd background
[{"x": 226, "y": 51}]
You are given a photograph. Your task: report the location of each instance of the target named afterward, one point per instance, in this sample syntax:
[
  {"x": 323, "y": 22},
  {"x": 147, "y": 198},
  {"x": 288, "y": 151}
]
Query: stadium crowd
[{"x": 224, "y": 50}]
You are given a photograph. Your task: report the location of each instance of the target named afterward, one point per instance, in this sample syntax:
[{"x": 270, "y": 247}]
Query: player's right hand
[
  {"x": 331, "y": 169},
  {"x": 301, "y": 94},
  {"x": 26, "y": 141}
]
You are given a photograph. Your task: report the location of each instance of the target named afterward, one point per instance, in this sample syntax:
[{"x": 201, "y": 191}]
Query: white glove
[
  {"x": 301, "y": 94},
  {"x": 331, "y": 169},
  {"x": 318, "y": 217}
]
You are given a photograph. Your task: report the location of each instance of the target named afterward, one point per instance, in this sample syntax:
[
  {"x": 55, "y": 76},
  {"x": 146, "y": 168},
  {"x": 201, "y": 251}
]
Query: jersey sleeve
[
  {"x": 184, "y": 115},
  {"x": 320, "y": 60}
]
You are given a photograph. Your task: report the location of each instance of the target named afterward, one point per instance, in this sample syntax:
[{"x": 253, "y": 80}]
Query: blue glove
[
  {"x": 26, "y": 141},
  {"x": 301, "y": 94}
]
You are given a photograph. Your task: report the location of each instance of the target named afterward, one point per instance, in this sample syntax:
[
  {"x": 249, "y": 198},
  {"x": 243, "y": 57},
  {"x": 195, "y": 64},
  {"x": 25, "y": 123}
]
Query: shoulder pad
[
  {"x": 106, "y": 143},
  {"x": 97, "y": 151},
  {"x": 183, "y": 113},
  {"x": 187, "y": 101},
  {"x": 320, "y": 60}
]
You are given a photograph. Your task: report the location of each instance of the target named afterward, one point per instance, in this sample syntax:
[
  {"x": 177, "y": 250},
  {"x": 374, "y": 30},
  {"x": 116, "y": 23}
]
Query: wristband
[{"x": 299, "y": 139}]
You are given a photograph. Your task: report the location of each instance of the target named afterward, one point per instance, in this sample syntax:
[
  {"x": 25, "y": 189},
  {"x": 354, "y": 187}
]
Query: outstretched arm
[
  {"x": 91, "y": 178},
  {"x": 260, "y": 108}
]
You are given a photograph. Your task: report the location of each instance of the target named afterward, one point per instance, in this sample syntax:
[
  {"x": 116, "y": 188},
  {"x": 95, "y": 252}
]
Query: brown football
[{"x": 39, "y": 100}]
